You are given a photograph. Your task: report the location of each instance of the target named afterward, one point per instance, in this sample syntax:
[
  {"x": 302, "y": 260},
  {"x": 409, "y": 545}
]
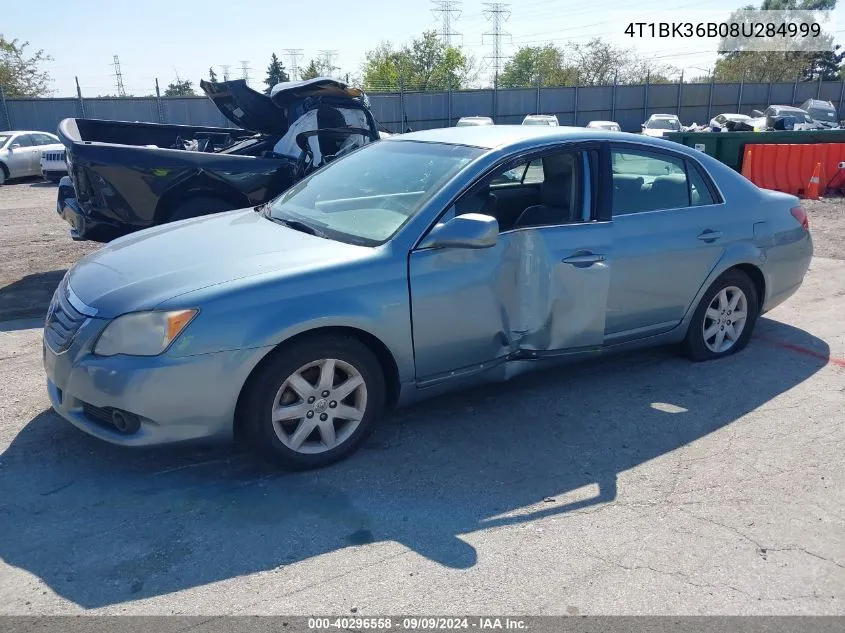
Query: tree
[
  {"x": 21, "y": 74},
  {"x": 315, "y": 68},
  {"x": 212, "y": 76},
  {"x": 531, "y": 64},
  {"x": 423, "y": 64},
  {"x": 758, "y": 65},
  {"x": 180, "y": 89},
  {"x": 275, "y": 74}
]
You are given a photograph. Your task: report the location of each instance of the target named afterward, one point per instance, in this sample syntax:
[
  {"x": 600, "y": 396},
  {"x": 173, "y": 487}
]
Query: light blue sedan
[{"x": 416, "y": 265}]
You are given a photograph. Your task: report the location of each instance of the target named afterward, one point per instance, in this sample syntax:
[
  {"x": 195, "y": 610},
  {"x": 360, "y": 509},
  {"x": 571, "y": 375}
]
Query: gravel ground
[
  {"x": 827, "y": 224},
  {"x": 35, "y": 248}
]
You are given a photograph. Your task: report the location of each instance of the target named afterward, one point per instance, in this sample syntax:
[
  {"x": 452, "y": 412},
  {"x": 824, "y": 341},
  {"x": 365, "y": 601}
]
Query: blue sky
[{"x": 154, "y": 38}]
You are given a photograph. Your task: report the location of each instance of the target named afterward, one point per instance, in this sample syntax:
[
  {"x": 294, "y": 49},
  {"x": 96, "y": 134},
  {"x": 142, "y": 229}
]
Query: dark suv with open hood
[{"x": 125, "y": 176}]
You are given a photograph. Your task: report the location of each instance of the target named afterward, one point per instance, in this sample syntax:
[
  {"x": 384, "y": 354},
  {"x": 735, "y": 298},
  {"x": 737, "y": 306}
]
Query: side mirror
[
  {"x": 15, "y": 146},
  {"x": 472, "y": 230},
  {"x": 642, "y": 125}
]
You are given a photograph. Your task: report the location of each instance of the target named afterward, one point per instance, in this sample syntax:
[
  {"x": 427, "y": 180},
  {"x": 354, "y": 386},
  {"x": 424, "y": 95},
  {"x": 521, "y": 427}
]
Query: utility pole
[
  {"x": 245, "y": 70},
  {"x": 118, "y": 76},
  {"x": 446, "y": 9},
  {"x": 225, "y": 68},
  {"x": 328, "y": 61},
  {"x": 498, "y": 13},
  {"x": 293, "y": 54}
]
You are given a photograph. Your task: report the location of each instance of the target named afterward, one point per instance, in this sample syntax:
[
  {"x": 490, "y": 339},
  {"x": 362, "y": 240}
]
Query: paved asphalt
[{"x": 639, "y": 484}]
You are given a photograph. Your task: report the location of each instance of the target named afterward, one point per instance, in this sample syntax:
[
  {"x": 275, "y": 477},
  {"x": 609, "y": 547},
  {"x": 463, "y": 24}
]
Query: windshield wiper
[{"x": 296, "y": 225}]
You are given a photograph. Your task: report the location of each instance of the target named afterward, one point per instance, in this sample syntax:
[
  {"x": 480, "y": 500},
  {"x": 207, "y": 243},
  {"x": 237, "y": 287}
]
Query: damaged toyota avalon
[{"x": 413, "y": 266}]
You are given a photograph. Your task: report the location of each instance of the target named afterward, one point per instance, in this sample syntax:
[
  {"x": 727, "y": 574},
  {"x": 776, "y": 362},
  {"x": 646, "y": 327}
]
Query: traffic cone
[
  {"x": 746, "y": 164},
  {"x": 812, "y": 192}
]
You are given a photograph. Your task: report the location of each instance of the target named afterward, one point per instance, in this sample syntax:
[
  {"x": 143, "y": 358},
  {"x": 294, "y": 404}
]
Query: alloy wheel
[
  {"x": 319, "y": 406},
  {"x": 724, "y": 320}
]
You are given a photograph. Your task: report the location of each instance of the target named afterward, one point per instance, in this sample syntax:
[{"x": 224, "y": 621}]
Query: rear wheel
[
  {"x": 196, "y": 207},
  {"x": 3, "y": 174},
  {"x": 315, "y": 402},
  {"x": 724, "y": 320}
]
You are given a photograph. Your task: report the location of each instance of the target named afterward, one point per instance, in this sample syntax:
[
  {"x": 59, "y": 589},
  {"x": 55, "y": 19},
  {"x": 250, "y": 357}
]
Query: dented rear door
[{"x": 540, "y": 291}]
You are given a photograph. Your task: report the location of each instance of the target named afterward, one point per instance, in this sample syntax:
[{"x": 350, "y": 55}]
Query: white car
[
  {"x": 611, "y": 126},
  {"x": 53, "y": 164},
  {"x": 540, "y": 119},
  {"x": 659, "y": 124},
  {"x": 20, "y": 152},
  {"x": 474, "y": 120}
]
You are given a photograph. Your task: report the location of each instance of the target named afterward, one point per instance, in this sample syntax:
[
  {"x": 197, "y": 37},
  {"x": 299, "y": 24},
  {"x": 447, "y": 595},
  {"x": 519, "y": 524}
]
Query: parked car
[
  {"x": 54, "y": 164},
  {"x": 20, "y": 152},
  {"x": 471, "y": 121},
  {"x": 780, "y": 117},
  {"x": 541, "y": 119},
  {"x": 611, "y": 126},
  {"x": 129, "y": 176},
  {"x": 422, "y": 263},
  {"x": 659, "y": 124},
  {"x": 721, "y": 121},
  {"x": 823, "y": 113}
]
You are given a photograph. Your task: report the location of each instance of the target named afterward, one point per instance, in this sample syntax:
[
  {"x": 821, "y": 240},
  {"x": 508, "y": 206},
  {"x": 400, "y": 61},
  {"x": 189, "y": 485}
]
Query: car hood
[
  {"x": 258, "y": 112},
  {"x": 141, "y": 270}
]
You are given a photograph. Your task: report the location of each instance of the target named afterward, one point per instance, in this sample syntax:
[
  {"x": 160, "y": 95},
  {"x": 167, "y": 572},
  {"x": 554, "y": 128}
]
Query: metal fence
[{"x": 629, "y": 105}]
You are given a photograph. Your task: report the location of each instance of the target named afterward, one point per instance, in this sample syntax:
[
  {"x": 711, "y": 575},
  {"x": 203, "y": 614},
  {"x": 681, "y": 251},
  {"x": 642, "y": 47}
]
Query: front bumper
[
  {"x": 176, "y": 399},
  {"x": 83, "y": 224}
]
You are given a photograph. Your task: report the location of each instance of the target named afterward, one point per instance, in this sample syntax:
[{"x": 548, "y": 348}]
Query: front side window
[
  {"x": 647, "y": 181},
  {"x": 367, "y": 196},
  {"x": 24, "y": 140}
]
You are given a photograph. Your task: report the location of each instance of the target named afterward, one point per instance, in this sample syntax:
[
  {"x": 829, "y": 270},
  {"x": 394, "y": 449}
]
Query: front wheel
[
  {"x": 314, "y": 402},
  {"x": 724, "y": 320}
]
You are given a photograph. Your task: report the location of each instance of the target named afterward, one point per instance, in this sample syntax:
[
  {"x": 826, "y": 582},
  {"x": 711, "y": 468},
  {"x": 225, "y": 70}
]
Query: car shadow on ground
[
  {"x": 45, "y": 184},
  {"x": 29, "y": 296},
  {"x": 102, "y": 525}
]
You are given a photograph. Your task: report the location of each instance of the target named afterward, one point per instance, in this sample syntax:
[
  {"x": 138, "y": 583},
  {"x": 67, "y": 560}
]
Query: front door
[{"x": 541, "y": 290}]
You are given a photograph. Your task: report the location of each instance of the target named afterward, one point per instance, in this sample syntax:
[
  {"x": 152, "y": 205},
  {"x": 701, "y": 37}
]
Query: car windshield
[
  {"x": 537, "y": 122},
  {"x": 367, "y": 196},
  {"x": 664, "y": 124},
  {"x": 466, "y": 122},
  {"x": 4, "y": 140},
  {"x": 608, "y": 126}
]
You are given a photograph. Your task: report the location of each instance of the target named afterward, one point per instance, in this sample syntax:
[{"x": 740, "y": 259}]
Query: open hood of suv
[{"x": 255, "y": 111}]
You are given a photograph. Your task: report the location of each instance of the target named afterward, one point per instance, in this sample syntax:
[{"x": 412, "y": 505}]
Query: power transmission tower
[
  {"x": 328, "y": 62},
  {"x": 294, "y": 54},
  {"x": 446, "y": 9},
  {"x": 121, "y": 92},
  {"x": 225, "y": 68},
  {"x": 245, "y": 70},
  {"x": 498, "y": 13}
]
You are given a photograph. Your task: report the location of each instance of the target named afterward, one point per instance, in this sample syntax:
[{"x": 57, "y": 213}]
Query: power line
[
  {"x": 294, "y": 54},
  {"x": 121, "y": 92},
  {"x": 328, "y": 62},
  {"x": 446, "y": 9},
  {"x": 245, "y": 70},
  {"x": 498, "y": 13}
]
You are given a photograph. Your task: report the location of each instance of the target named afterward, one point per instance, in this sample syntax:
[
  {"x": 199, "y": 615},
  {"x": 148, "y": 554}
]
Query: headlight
[{"x": 142, "y": 333}]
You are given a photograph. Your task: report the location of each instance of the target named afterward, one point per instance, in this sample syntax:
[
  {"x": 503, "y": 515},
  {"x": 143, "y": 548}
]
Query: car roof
[
  {"x": 540, "y": 116},
  {"x": 786, "y": 107},
  {"x": 663, "y": 116},
  {"x": 597, "y": 121},
  {"x": 7, "y": 132},
  {"x": 485, "y": 118},
  {"x": 503, "y": 136}
]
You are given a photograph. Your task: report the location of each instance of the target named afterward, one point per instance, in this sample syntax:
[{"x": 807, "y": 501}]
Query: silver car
[
  {"x": 421, "y": 264},
  {"x": 20, "y": 153}
]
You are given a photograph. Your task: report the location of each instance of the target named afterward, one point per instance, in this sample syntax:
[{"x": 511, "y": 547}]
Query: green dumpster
[{"x": 729, "y": 147}]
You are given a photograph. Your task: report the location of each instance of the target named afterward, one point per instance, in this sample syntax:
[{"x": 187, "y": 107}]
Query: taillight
[{"x": 801, "y": 215}]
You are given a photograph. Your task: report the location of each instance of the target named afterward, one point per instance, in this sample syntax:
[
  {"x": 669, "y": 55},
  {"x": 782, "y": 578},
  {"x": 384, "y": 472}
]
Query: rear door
[
  {"x": 671, "y": 226},
  {"x": 541, "y": 291}
]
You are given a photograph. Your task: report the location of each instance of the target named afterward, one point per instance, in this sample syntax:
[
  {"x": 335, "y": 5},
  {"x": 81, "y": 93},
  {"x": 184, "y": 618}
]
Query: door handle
[
  {"x": 583, "y": 258},
  {"x": 710, "y": 235}
]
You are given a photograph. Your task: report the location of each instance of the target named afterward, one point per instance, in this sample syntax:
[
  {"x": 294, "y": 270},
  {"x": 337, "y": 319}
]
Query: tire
[
  {"x": 198, "y": 206},
  {"x": 271, "y": 389},
  {"x": 3, "y": 174},
  {"x": 709, "y": 335}
]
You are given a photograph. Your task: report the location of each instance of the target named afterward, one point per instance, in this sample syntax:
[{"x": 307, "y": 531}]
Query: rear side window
[{"x": 652, "y": 181}]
